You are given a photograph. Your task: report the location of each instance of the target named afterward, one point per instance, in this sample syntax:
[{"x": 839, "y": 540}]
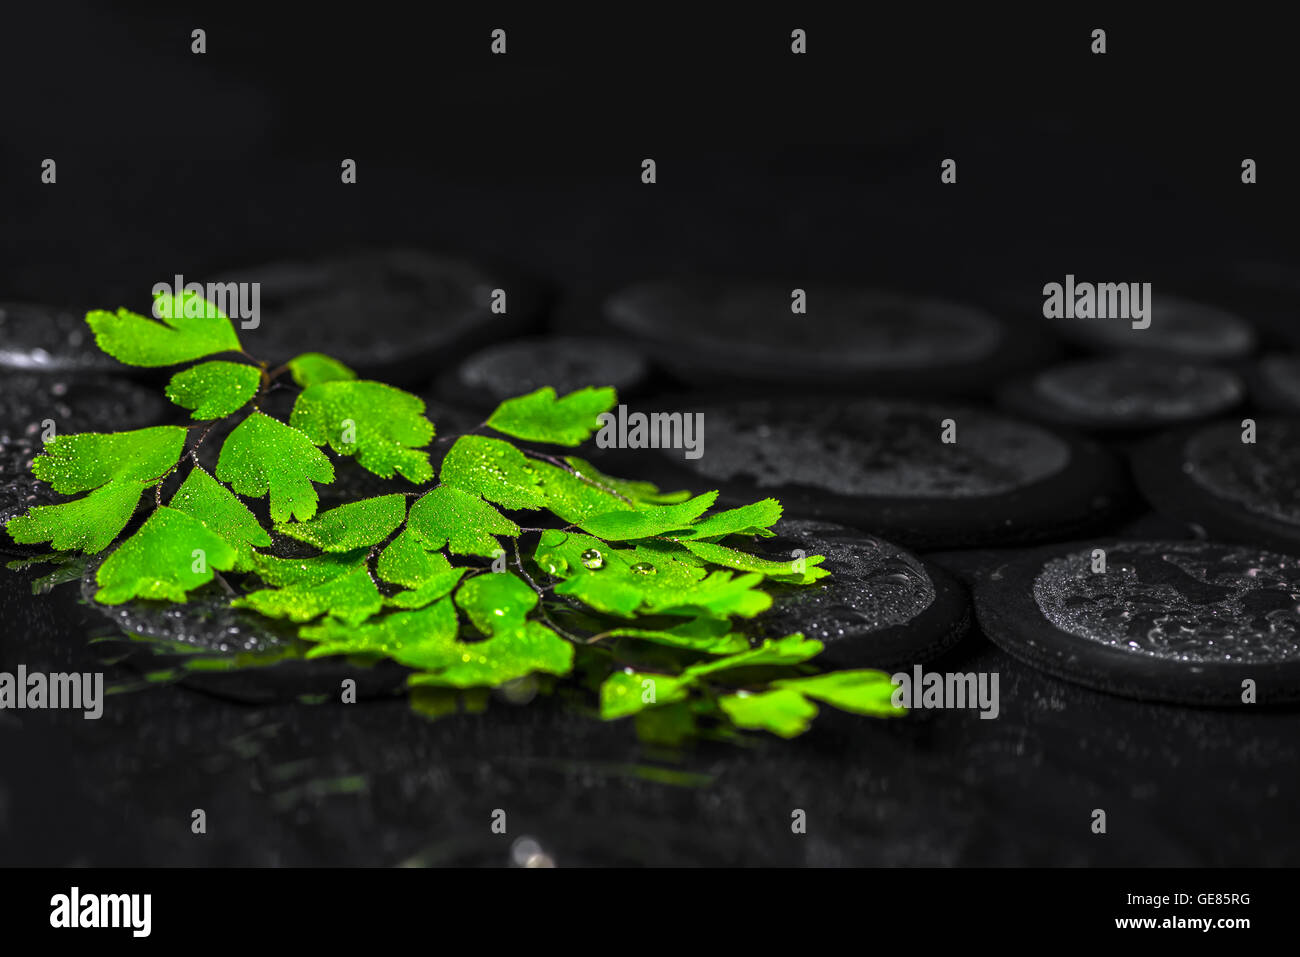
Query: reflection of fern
[{"x": 626, "y": 586}]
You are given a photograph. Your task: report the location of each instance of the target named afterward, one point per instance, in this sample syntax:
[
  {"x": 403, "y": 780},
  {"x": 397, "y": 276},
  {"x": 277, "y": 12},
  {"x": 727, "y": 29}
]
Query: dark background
[{"x": 820, "y": 166}]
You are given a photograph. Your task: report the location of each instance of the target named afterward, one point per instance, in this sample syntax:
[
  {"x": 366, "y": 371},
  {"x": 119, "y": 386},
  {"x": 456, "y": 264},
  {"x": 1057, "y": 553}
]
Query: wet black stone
[
  {"x": 1123, "y": 393},
  {"x": 243, "y": 656},
  {"x": 1184, "y": 622},
  {"x": 37, "y": 338},
  {"x": 1236, "y": 491},
  {"x": 90, "y": 403},
  {"x": 1179, "y": 327},
  {"x": 566, "y": 363},
  {"x": 401, "y": 315},
  {"x": 851, "y": 338},
  {"x": 881, "y": 607},
  {"x": 880, "y": 465}
]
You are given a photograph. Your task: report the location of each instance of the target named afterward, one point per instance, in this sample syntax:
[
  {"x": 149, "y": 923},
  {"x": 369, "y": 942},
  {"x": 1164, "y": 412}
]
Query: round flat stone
[
  {"x": 232, "y": 652},
  {"x": 31, "y": 402},
  {"x": 566, "y": 363},
  {"x": 882, "y": 465},
  {"x": 1236, "y": 490},
  {"x": 1179, "y": 327},
  {"x": 399, "y": 315},
  {"x": 1124, "y": 393},
  {"x": 849, "y": 337},
  {"x": 37, "y": 338},
  {"x": 881, "y": 606},
  {"x": 1177, "y": 621}
]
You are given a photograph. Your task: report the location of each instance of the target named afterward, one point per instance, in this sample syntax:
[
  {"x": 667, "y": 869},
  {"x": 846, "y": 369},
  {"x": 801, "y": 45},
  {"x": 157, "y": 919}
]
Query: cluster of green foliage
[{"x": 632, "y": 589}]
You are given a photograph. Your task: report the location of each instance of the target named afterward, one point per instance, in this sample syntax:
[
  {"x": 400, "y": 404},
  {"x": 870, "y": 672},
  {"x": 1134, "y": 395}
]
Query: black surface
[{"x": 1124, "y": 166}]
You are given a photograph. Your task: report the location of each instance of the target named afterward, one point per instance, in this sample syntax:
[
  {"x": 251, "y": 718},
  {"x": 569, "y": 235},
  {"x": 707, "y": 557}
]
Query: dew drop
[
  {"x": 592, "y": 558},
  {"x": 644, "y": 568}
]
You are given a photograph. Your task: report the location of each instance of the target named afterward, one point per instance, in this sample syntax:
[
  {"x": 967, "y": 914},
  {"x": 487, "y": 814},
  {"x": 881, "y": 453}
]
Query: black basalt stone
[
  {"x": 565, "y": 363},
  {"x": 880, "y": 607},
  {"x": 1236, "y": 490},
  {"x": 399, "y": 315},
  {"x": 882, "y": 465},
  {"x": 1183, "y": 621},
  {"x": 851, "y": 338},
  {"x": 1123, "y": 393},
  {"x": 232, "y": 652},
  {"x": 35, "y": 338}
]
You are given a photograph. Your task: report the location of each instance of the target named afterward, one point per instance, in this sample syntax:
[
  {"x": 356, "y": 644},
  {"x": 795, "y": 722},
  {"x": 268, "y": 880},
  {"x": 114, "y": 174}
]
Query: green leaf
[
  {"x": 861, "y": 692},
  {"x": 791, "y": 650},
  {"x": 426, "y": 639},
  {"x": 529, "y": 648},
  {"x": 638, "y": 493},
  {"x": 191, "y": 328},
  {"x": 213, "y": 390},
  {"x": 647, "y": 520},
  {"x": 313, "y": 368},
  {"x": 350, "y": 598},
  {"x": 496, "y": 602},
  {"x": 170, "y": 555},
  {"x": 377, "y": 423},
  {"x": 670, "y": 726},
  {"x": 263, "y": 455},
  {"x": 462, "y": 522},
  {"x": 573, "y": 497},
  {"x": 204, "y": 498},
  {"x": 627, "y": 692},
  {"x": 783, "y": 712},
  {"x": 396, "y": 635},
  {"x": 341, "y": 529},
  {"x": 496, "y": 470},
  {"x": 305, "y": 571},
  {"x": 710, "y": 635},
  {"x": 428, "y": 591},
  {"x": 797, "y": 571},
  {"x": 428, "y": 575},
  {"x": 88, "y": 524},
  {"x": 405, "y": 561},
  {"x": 79, "y": 463},
  {"x": 626, "y": 581},
  {"x": 541, "y": 417},
  {"x": 747, "y": 520}
]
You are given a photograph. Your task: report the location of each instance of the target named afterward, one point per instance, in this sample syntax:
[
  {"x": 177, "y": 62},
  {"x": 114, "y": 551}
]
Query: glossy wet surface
[
  {"x": 843, "y": 329},
  {"x": 564, "y": 363},
  {"x": 873, "y": 585},
  {"x": 876, "y": 449},
  {"x": 1182, "y": 601},
  {"x": 1263, "y": 477},
  {"x": 1125, "y": 389},
  {"x": 292, "y": 782}
]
